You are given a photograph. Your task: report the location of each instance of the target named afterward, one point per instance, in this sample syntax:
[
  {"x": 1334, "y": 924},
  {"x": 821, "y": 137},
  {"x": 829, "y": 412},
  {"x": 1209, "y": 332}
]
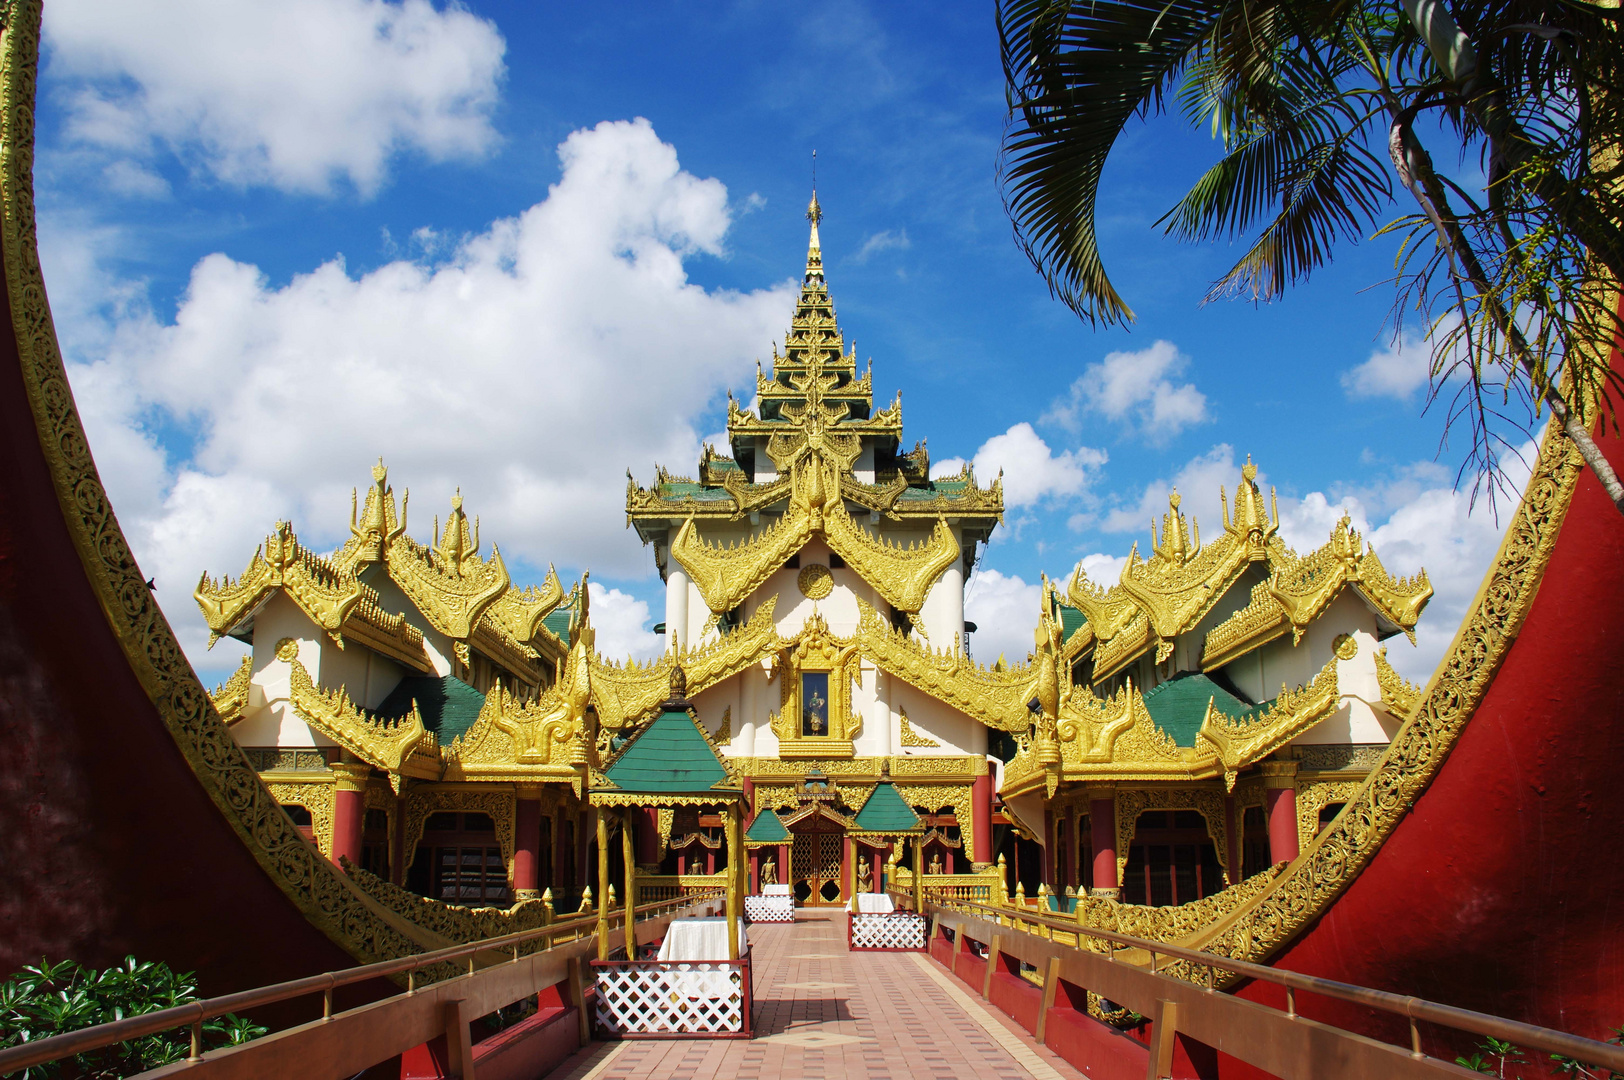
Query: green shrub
[{"x": 50, "y": 999}]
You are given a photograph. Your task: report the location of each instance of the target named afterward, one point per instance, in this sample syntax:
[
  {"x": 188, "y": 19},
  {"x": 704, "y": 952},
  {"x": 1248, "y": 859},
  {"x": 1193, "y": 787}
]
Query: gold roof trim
[
  {"x": 1305, "y": 587},
  {"x": 1399, "y": 694},
  {"x": 387, "y": 634},
  {"x": 624, "y": 693},
  {"x": 1116, "y": 739},
  {"x": 993, "y": 696},
  {"x": 401, "y": 747},
  {"x": 519, "y": 614},
  {"x": 1258, "y": 623},
  {"x": 231, "y": 697},
  {"x": 324, "y": 592}
]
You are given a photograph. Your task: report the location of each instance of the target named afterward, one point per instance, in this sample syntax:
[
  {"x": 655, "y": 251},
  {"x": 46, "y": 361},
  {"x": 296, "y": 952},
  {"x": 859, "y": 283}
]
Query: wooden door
[{"x": 815, "y": 864}]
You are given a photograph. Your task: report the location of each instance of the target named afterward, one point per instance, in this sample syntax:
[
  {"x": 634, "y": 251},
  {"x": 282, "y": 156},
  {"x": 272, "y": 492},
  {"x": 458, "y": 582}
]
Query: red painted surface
[
  {"x": 349, "y": 819},
  {"x": 1502, "y": 890},
  {"x": 110, "y": 844},
  {"x": 526, "y": 843},
  {"x": 1018, "y": 999},
  {"x": 1102, "y": 827},
  {"x": 1282, "y": 809},
  {"x": 981, "y": 816}
]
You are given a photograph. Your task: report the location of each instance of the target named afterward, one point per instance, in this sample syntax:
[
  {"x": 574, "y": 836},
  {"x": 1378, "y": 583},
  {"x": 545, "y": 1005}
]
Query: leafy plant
[
  {"x": 1562, "y": 1065},
  {"x": 1492, "y": 1057},
  {"x": 50, "y": 999}
]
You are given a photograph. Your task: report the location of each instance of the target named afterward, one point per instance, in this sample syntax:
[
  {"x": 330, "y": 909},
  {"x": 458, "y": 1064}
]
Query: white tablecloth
[
  {"x": 699, "y": 939},
  {"x": 775, "y": 890},
  {"x": 874, "y": 903}
]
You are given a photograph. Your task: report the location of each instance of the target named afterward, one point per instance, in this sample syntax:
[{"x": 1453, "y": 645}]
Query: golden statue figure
[
  {"x": 935, "y": 866},
  {"x": 865, "y": 876},
  {"x": 769, "y": 874}
]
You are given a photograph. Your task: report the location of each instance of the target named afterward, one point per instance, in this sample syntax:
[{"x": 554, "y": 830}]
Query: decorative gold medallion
[
  {"x": 815, "y": 581},
  {"x": 1346, "y": 646}
]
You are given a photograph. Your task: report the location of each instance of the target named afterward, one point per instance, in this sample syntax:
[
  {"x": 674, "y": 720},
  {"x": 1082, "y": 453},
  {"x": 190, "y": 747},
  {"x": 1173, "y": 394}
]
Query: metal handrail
[
  {"x": 1529, "y": 1036},
  {"x": 194, "y": 1014}
]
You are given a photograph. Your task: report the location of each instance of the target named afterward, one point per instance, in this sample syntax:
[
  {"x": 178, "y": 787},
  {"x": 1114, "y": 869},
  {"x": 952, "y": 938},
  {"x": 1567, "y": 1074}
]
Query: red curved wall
[
  {"x": 1503, "y": 890},
  {"x": 108, "y": 844}
]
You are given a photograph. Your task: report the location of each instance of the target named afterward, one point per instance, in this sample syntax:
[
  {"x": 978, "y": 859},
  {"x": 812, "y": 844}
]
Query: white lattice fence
[
  {"x": 887, "y": 930},
  {"x": 655, "y": 997},
  {"x": 769, "y": 908}
]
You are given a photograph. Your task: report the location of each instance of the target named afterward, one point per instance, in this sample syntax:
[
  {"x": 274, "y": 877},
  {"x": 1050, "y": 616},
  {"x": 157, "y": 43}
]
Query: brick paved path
[{"x": 824, "y": 1013}]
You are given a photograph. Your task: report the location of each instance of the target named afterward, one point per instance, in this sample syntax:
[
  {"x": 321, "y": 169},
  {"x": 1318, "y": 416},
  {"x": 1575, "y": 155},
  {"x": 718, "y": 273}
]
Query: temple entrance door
[{"x": 815, "y": 863}]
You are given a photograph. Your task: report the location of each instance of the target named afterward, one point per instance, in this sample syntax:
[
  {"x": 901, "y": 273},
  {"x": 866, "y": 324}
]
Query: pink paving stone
[{"x": 888, "y": 1021}]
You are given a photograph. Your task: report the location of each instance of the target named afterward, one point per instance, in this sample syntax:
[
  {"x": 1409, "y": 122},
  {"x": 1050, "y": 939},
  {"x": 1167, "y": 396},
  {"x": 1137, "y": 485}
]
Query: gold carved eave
[
  {"x": 327, "y": 594},
  {"x": 231, "y": 697},
  {"x": 1239, "y": 743},
  {"x": 401, "y": 747},
  {"x": 992, "y": 696},
  {"x": 519, "y": 614},
  {"x": 452, "y": 599},
  {"x": 903, "y": 575},
  {"x": 624, "y": 693},
  {"x": 388, "y": 635},
  {"x": 1399, "y": 695}
]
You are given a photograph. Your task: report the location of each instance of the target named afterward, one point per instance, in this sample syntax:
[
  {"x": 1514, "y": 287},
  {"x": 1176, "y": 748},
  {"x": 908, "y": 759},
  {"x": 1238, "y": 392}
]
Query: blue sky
[{"x": 521, "y": 249}]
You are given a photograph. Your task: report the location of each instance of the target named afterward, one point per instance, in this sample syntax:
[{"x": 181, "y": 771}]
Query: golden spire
[{"x": 814, "y": 247}]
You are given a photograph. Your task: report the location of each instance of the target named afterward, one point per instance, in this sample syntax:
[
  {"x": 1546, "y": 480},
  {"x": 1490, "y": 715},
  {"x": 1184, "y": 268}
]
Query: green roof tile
[
  {"x": 447, "y": 705},
  {"x": 671, "y": 757},
  {"x": 767, "y": 829},
  {"x": 1180, "y": 704},
  {"x": 885, "y": 812},
  {"x": 1071, "y": 621},
  {"x": 558, "y": 621}
]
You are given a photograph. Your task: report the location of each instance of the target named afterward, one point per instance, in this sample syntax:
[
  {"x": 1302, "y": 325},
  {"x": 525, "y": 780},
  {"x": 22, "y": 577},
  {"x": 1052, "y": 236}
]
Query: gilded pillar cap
[
  {"x": 351, "y": 775},
  {"x": 1278, "y": 775},
  {"x": 1096, "y": 792}
]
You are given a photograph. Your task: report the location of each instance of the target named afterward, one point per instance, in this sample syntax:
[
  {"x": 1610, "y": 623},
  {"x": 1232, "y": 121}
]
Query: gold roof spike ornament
[
  {"x": 1158, "y": 599},
  {"x": 794, "y": 475}
]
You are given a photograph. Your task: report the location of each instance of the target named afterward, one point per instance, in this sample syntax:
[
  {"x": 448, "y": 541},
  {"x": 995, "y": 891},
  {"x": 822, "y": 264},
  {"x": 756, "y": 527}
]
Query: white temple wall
[
  {"x": 1356, "y": 721},
  {"x": 956, "y": 732},
  {"x": 391, "y": 599},
  {"x": 1187, "y": 650},
  {"x": 275, "y": 723}
]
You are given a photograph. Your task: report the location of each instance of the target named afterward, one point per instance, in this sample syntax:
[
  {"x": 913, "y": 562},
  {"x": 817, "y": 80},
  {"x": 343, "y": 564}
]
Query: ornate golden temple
[{"x": 1173, "y": 734}]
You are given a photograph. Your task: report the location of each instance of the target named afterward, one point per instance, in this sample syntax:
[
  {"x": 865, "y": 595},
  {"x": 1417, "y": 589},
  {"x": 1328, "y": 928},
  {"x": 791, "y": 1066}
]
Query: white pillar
[
  {"x": 884, "y": 747},
  {"x": 676, "y": 605},
  {"x": 750, "y": 686}
]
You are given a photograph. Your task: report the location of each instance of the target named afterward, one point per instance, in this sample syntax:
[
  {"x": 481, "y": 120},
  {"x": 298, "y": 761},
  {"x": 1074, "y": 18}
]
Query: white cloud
[
  {"x": 1198, "y": 484},
  {"x": 885, "y": 240},
  {"x": 621, "y": 624},
  {"x": 531, "y": 367},
  {"x": 294, "y": 94},
  {"x": 1397, "y": 371},
  {"x": 1005, "y": 610},
  {"x": 1032, "y": 471},
  {"x": 1136, "y": 389}
]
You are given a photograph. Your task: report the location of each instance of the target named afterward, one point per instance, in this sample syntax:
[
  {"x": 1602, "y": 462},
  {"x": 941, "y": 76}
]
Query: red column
[
  {"x": 527, "y": 844},
  {"x": 981, "y": 856},
  {"x": 648, "y": 839},
  {"x": 755, "y": 870},
  {"x": 879, "y": 869},
  {"x": 1280, "y": 799},
  {"x": 399, "y": 857},
  {"x": 783, "y": 864},
  {"x": 349, "y": 809},
  {"x": 1102, "y": 826},
  {"x": 848, "y": 868}
]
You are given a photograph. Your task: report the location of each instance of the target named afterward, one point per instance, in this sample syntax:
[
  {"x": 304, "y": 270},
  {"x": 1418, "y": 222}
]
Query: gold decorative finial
[
  {"x": 814, "y": 212},
  {"x": 1249, "y": 471},
  {"x": 379, "y": 472}
]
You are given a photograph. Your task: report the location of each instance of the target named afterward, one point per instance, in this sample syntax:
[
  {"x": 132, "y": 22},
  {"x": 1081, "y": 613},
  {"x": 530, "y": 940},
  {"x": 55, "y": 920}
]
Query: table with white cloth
[
  {"x": 874, "y": 903},
  {"x": 688, "y": 940},
  {"x": 776, "y": 903}
]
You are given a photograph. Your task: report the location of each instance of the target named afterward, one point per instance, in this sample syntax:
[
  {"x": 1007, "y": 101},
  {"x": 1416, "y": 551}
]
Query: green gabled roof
[
  {"x": 1071, "y": 621},
  {"x": 767, "y": 829},
  {"x": 885, "y": 812},
  {"x": 447, "y": 705},
  {"x": 1179, "y": 705},
  {"x": 558, "y": 621},
  {"x": 669, "y": 757}
]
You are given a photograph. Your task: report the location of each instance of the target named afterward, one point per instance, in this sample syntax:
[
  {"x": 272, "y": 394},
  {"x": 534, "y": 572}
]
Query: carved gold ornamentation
[
  {"x": 1399, "y": 695},
  {"x": 324, "y": 593},
  {"x": 551, "y": 736},
  {"x": 1238, "y": 743},
  {"x": 815, "y": 651},
  {"x": 911, "y": 737},
  {"x": 401, "y": 747},
  {"x": 815, "y": 581},
  {"x": 501, "y": 804},
  {"x": 316, "y": 796},
  {"x": 452, "y": 922},
  {"x": 624, "y": 693},
  {"x": 961, "y": 797},
  {"x": 1346, "y": 646},
  {"x": 1131, "y": 802},
  {"x": 231, "y": 697},
  {"x": 992, "y": 696},
  {"x": 1305, "y": 587},
  {"x": 1314, "y": 796}
]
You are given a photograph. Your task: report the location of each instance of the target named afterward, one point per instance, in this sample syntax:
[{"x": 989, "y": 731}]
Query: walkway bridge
[{"x": 999, "y": 994}]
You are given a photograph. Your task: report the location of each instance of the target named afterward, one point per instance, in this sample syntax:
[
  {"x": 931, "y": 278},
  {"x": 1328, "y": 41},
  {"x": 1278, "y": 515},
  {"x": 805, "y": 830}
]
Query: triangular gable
[
  {"x": 885, "y": 812},
  {"x": 1179, "y": 705},
  {"x": 767, "y": 829},
  {"x": 671, "y": 756}
]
